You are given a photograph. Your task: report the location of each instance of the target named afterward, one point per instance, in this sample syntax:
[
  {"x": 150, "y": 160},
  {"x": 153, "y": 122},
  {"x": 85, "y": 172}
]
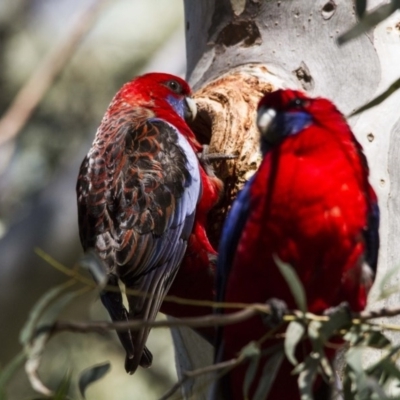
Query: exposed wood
[{"x": 226, "y": 120}]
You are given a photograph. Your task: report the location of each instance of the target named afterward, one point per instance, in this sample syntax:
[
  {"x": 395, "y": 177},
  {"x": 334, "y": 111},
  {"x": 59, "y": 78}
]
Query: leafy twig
[
  {"x": 195, "y": 322},
  {"x": 379, "y": 99},
  {"x": 201, "y": 371},
  {"x": 42, "y": 78},
  {"x": 368, "y": 21},
  {"x": 209, "y": 320},
  {"x": 73, "y": 273}
]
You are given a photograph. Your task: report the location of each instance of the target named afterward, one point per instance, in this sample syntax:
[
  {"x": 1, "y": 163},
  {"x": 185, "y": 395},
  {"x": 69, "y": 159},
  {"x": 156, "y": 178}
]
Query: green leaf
[
  {"x": 270, "y": 370},
  {"x": 361, "y": 6},
  {"x": 250, "y": 350},
  {"x": 339, "y": 318},
  {"x": 63, "y": 388},
  {"x": 293, "y": 282},
  {"x": 358, "y": 375},
  {"x": 8, "y": 371},
  {"x": 376, "y": 391},
  {"x": 92, "y": 374},
  {"x": 355, "y": 335},
  {"x": 387, "y": 368},
  {"x": 307, "y": 375},
  {"x": 369, "y": 21},
  {"x": 294, "y": 333},
  {"x": 314, "y": 328},
  {"x": 318, "y": 342},
  {"x": 376, "y": 367},
  {"x": 347, "y": 384},
  {"x": 376, "y": 339},
  {"x": 34, "y": 336},
  {"x": 38, "y": 309},
  {"x": 378, "y": 100},
  {"x": 250, "y": 374}
]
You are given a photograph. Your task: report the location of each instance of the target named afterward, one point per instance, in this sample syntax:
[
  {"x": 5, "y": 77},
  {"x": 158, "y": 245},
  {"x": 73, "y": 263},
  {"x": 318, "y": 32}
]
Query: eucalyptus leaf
[
  {"x": 250, "y": 374},
  {"x": 388, "y": 368},
  {"x": 294, "y": 333},
  {"x": 368, "y": 21},
  {"x": 63, "y": 388},
  {"x": 355, "y": 335},
  {"x": 377, "y": 339},
  {"x": 347, "y": 383},
  {"x": 294, "y": 283},
  {"x": 36, "y": 332},
  {"x": 383, "y": 360},
  {"x": 307, "y": 377},
  {"x": 375, "y": 390},
  {"x": 38, "y": 309},
  {"x": 339, "y": 318},
  {"x": 268, "y": 375},
  {"x": 359, "y": 377},
  {"x": 378, "y": 100},
  {"x": 8, "y": 372},
  {"x": 313, "y": 330},
  {"x": 92, "y": 374},
  {"x": 361, "y": 6},
  {"x": 250, "y": 350}
]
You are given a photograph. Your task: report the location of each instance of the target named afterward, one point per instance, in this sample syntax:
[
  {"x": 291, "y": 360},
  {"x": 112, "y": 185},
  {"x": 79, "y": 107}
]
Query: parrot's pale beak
[
  {"x": 190, "y": 109},
  {"x": 264, "y": 119}
]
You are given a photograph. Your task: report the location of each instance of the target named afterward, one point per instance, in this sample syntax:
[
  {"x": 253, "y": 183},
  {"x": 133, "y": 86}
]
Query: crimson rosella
[
  {"x": 309, "y": 205},
  {"x": 138, "y": 190}
]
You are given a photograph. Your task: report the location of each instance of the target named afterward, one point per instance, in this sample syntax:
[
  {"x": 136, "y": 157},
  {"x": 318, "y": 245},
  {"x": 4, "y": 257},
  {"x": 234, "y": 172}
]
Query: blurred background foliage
[{"x": 38, "y": 171}]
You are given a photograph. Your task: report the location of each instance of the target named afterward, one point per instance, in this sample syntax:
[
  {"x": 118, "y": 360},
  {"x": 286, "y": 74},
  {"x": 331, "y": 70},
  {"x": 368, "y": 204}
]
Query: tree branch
[
  {"x": 43, "y": 77},
  {"x": 208, "y": 320},
  {"x": 187, "y": 375},
  {"x": 195, "y": 322}
]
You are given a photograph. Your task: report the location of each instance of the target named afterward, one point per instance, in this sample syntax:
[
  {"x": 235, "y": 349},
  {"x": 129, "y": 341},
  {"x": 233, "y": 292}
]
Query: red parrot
[
  {"x": 310, "y": 205},
  {"x": 142, "y": 202}
]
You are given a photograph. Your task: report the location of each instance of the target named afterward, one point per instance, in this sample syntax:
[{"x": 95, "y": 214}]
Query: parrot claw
[
  {"x": 206, "y": 158},
  {"x": 342, "y": 307},
  {"x": 212, "y": 258},
  {"x": 278, "y": 310}
]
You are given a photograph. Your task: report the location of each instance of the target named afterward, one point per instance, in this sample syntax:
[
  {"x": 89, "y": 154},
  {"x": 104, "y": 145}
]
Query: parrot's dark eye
[
  {"x": 298, "y": 103},
  {"x": 175, "y": 86}
]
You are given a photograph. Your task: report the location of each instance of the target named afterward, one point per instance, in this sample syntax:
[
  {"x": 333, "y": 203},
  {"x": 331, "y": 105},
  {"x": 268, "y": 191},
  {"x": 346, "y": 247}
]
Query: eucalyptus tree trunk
[{"x": 237, "y": 50}]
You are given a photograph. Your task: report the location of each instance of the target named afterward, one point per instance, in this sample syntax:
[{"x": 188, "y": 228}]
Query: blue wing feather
[
  {"x": 371, "y": 236},
  {"x": 231, "y": 233}
]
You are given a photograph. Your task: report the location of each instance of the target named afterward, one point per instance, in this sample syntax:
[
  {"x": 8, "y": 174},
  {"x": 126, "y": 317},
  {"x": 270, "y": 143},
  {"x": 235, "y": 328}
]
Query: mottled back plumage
[{"x": 137, "y": 192}]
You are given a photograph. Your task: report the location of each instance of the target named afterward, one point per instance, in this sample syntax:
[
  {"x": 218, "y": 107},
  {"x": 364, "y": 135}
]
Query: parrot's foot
[
  {"x": 278, "y": 310},
  {"x": 342, "y": 307},
  {"x": 212, "y": 259},
  {"x": 206, "y": 158}
]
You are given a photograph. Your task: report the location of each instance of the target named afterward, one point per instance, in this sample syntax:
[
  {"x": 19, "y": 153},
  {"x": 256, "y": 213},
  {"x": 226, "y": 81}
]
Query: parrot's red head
[
  {"x": 282, "y": 100},
  {"x": 158, "y": 92},
  {"x": 285, "y": 113}
]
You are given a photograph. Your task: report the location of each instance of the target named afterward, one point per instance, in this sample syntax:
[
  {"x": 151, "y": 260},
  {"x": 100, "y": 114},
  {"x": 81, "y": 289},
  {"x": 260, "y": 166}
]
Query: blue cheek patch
[
  {"x": 177, "y": 105},
  {"x": 291, "y": 123},
  {"x": 283, "y": 125}
]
